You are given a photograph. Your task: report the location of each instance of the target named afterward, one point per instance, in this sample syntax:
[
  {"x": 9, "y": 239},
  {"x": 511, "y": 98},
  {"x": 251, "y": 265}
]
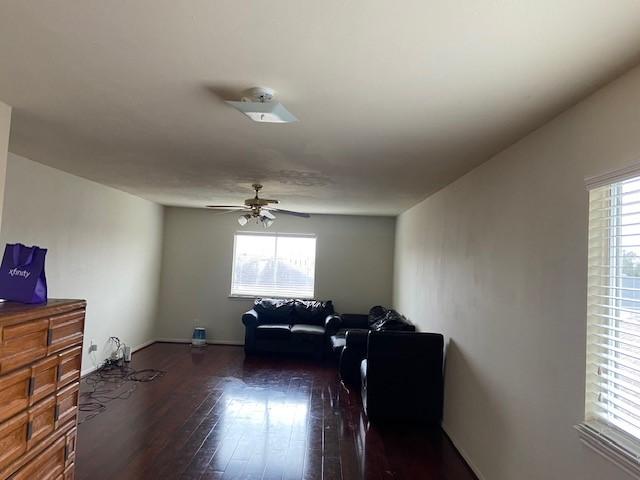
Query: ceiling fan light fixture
[
  {"x": 243, "y": 219},
  {"x": 257, "y": 104},
  {"x": 266, "y": 222}
]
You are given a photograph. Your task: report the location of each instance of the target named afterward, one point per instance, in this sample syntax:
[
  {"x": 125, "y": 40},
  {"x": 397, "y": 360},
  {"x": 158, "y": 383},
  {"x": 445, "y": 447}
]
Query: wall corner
[{"x": 5, "y": 127}]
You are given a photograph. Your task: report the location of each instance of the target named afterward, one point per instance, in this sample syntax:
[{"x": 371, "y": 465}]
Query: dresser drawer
[
  {"x": 42, "y": 421},
  {"x": 44, "y": 377},
  {"x": 70, "y": 472},
  {"x": 65, "y": 330},
  {"x": 70, "y": 449},
  {"x": 22, "y": 343},
  {"x": 67, "y": 403},
  {"x": 13, "y": 439},
  {"x": 49, "y": 465},
  {"x": 36, "y": 450},
  {"x": 14, "y": 393},
  {"x": 69, "y": 365}
]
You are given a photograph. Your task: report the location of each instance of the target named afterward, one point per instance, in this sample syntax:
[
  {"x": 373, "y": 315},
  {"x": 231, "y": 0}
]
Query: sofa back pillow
[
  {"x": 274, "y": 311},
  {"x": 312, "y": 312}
]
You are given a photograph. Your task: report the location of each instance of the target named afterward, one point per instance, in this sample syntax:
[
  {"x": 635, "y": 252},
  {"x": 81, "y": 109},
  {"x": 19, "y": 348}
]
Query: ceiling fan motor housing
[
  {"x": 256, "y": 202},
  {"x": 257, "y": 104},
  {"x": 258, "y": 95}
]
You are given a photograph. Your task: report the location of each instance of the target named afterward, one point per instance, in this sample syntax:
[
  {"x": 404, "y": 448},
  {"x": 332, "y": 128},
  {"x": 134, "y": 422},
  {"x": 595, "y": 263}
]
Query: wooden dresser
[{"x": 40, "y": 357}]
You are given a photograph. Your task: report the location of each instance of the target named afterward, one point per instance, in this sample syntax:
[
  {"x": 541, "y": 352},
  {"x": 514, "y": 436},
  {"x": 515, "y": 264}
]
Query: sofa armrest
[
  {"x": 352, "y": 355},
  {"x": 250, "y": 319},
  {"x": 332, "y": 324}
]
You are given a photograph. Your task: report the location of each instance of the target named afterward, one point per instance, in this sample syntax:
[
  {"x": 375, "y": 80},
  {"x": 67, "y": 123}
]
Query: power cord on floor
[{"x": 113, "y": 380}]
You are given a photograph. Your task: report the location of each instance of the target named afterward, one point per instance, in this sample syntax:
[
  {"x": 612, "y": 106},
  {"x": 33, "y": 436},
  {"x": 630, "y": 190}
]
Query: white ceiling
[{"x": 395, "y": 98}]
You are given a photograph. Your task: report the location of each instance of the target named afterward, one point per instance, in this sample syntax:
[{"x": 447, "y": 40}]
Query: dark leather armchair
[{"x": 402, "y": 377}]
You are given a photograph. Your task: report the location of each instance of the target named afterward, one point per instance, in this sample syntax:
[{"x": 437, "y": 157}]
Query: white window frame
[
  {"x": 271, "y": 234},
  {"x": 612, "y": 442}
]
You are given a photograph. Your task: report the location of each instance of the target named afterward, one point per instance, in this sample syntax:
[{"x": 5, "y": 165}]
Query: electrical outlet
[{"x": 93, "y": 347}]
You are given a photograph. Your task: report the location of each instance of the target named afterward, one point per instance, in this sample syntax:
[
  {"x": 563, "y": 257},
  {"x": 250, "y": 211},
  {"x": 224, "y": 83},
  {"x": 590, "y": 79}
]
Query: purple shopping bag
[{"x": 22, "y": 277}]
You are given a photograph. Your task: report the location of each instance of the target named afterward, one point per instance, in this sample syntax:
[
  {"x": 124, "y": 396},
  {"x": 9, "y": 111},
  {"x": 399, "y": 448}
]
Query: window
[
  {"x": 612, "y": 399},
  {"x": 274, "y": 265}
]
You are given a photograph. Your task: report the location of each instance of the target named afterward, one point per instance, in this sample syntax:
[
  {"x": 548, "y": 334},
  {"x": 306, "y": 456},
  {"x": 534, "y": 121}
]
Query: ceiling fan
[{"x": 259, "y": 209}]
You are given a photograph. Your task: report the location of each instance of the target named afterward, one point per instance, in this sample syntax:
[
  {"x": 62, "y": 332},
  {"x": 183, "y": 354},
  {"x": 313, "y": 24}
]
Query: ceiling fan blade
[
  {"x": 267, "y": 213},
  {"x": 226, "y": 207},
  {"x": 289, "y": 212},
  {"x": 270, "y": 201},
  {"x": 216, "y": 212}
]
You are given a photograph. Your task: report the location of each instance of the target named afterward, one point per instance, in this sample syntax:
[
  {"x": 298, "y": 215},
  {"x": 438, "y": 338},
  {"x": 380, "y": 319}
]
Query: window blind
[
  {"x": 612, "y": 401},
  {"x": 277, "y": 265}
]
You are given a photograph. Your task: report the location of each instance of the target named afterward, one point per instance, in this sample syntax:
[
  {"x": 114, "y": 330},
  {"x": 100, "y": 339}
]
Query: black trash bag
[
  {"x": 376, "y": 313},
  {"x": 392, "y": 320}
]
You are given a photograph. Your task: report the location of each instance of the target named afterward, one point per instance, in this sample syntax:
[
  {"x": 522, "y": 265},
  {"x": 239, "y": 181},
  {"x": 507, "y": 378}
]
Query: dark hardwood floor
[{"x": 215, "y": 415}]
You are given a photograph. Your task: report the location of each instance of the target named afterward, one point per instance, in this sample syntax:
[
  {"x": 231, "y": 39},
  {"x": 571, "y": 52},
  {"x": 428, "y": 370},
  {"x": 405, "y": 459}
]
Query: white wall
[
  {"x": 104, "y": 246},
  {"x": 5, "y": 127},
  {"x": 497, "y": 262},
  {"x": 354, "y": 267}
]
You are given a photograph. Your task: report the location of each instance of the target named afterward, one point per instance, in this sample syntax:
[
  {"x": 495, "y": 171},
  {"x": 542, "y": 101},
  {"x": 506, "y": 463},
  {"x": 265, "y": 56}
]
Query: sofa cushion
[
  {"x": 302, "y": 329},
  {"x": 337, "y": 343},
  {"x": 312, "y": 312},
  {"x": 273, "y": 332},
  {"x": 342, "y": 333},
  {"x": 274, "y": 311}
]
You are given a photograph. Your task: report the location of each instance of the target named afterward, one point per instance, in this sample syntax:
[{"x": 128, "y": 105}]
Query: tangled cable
[{"x": 113, "y": 380}]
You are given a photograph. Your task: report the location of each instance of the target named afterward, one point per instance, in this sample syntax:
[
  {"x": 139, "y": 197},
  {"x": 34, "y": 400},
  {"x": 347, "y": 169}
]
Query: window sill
[
  {"x": 253, "y": 297},
  {"x": 614, "y": 446}
]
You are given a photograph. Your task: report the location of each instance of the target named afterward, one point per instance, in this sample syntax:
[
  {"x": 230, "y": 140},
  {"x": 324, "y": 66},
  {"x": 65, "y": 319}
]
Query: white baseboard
[
  {"x": 143, "y": 345},
  {"x": 462, "y": 452},
  {"x": 93, "y": 368},
  {"x": 87, "y": 371},
  {"x": 209, "y": 342}
]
